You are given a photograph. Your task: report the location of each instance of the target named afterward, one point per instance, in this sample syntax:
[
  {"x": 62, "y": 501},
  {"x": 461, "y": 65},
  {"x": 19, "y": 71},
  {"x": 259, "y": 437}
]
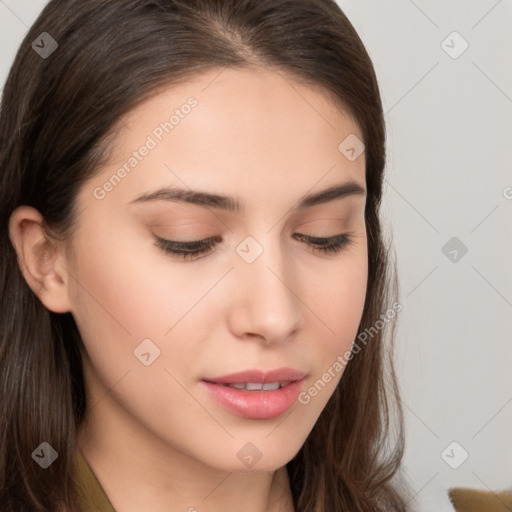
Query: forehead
[{"x": 233, "y": 130}]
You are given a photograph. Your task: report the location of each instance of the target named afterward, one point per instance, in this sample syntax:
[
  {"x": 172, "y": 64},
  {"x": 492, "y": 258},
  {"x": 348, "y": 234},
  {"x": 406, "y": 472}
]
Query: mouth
[
  {"x": 256, "y": 386},
  {"x": 256, "y": 394}
]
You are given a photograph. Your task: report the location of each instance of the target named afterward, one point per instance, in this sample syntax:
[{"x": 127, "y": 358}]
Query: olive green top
[{"x": 92, "y": 495}]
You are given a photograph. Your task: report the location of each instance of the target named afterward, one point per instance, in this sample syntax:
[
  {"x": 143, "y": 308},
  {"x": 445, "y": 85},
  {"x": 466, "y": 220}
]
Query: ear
[{"x": 41, "y": 258}]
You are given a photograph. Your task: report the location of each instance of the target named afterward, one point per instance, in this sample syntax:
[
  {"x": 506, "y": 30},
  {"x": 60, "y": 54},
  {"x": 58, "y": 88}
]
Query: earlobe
[{"x": 40, "y": 259}]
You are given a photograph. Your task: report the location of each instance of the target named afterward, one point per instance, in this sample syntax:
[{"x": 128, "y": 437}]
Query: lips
[
  {"x": 255, "y": 376},
  {"x": 256, "y": 394}
]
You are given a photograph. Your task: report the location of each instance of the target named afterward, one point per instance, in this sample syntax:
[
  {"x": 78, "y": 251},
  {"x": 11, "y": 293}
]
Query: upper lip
[{"x": 259, "y": 376}]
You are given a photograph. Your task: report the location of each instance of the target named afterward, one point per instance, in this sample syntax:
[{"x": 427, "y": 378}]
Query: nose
[{"x": 265, "y": 302}]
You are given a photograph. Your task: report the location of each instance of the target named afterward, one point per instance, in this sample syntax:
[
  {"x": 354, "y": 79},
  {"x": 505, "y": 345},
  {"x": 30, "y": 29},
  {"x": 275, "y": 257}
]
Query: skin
[{"x": 152, "y": 435}]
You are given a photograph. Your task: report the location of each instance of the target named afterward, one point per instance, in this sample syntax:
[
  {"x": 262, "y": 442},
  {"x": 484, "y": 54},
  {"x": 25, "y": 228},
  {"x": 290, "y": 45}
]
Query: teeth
[
  {"x": 258, "y": 386},
  {"x": 255, "y": 386}
]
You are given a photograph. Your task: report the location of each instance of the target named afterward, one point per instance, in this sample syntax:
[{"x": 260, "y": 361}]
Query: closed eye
[{"x": 193, "y": 249}]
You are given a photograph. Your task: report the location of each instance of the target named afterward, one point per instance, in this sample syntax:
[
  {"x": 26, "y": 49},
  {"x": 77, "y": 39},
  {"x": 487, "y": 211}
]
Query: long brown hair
[{"x": 59, "y": 117}]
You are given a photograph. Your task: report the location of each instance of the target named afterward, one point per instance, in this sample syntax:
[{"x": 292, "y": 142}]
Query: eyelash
[{"x": 190, "y": 250}]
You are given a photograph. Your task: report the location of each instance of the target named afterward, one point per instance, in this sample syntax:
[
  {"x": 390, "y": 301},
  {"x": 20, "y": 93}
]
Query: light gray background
[{"x": 449, "y": 128}]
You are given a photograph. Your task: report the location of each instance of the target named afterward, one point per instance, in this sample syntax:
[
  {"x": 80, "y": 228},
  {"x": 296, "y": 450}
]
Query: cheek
[
  {"x": 118, "y": 297},
  {"x": 124, "y": 282},
  {"x": 125, "y": 297},
  {"x": 339, "y": 293},
  {"x": 337, "y": 300}
]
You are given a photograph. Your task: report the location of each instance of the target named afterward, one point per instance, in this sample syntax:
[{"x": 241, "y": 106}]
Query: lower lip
[{"x": 255, "y": 405}]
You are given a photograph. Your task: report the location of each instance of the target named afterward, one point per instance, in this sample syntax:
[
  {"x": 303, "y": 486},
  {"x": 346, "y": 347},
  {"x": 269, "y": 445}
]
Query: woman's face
[{"x": 156, "y": 325}]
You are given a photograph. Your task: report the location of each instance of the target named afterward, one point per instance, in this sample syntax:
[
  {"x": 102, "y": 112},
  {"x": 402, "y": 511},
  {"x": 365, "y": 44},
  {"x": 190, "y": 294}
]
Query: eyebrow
[{"x": 231, "y": 204}]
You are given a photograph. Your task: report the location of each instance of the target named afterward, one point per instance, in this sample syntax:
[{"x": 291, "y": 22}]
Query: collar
[{"x": 91, "y": 494}]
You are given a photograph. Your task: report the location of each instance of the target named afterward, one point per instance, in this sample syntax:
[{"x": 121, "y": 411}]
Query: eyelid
[
  {"x": 331, "y": 245},
  {"x": 185, "y": 243}
]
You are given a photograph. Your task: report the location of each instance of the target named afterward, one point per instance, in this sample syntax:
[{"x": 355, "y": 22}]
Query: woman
[{"x": 195, "y": 283}]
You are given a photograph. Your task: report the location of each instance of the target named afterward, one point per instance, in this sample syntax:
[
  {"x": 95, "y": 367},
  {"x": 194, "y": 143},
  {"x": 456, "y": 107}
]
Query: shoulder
[{"x": 474, "y": 500}]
